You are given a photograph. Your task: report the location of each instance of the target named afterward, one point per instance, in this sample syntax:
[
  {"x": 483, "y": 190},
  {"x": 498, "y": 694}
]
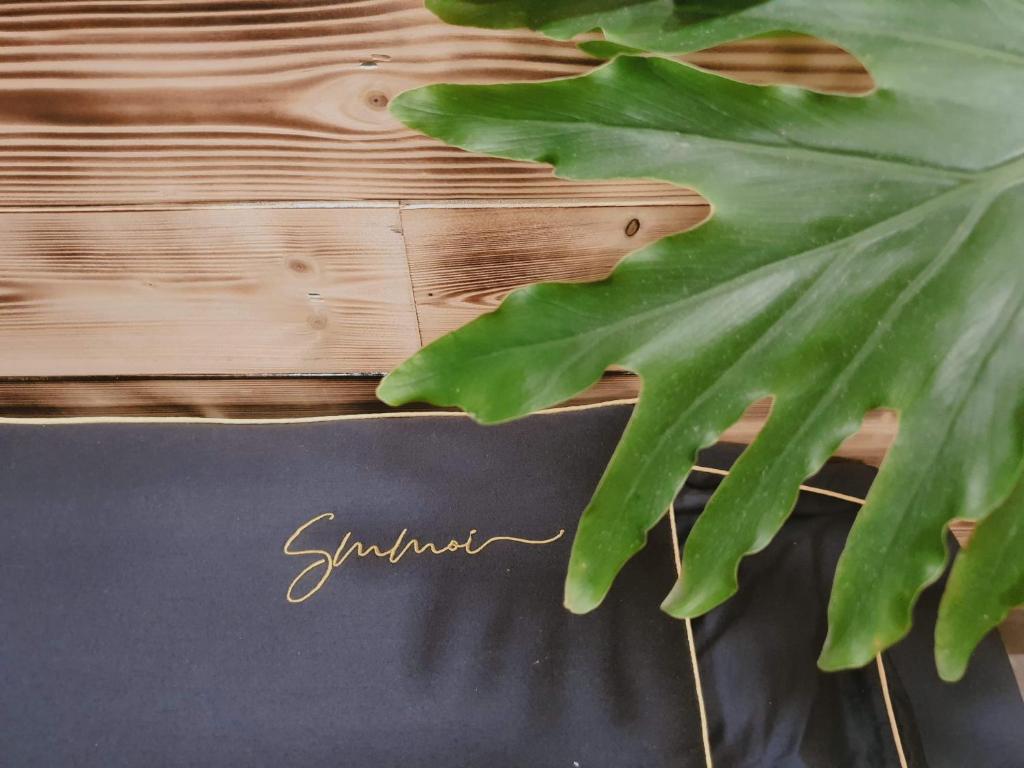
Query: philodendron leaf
[
  {"x": 987, "y": 578},
  {"x": 863, "y": 252}
]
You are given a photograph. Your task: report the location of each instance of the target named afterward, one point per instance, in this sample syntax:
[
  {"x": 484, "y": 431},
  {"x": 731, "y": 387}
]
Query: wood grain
[
  {"x": 281, "y": 290},
  {"x": 463, "y": 261},
  {"x": 243, "y": 100},
  {"x": 204, "y": 291}
]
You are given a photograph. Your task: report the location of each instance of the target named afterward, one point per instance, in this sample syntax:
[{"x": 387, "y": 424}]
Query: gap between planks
[{"x": 468, "y": 203}]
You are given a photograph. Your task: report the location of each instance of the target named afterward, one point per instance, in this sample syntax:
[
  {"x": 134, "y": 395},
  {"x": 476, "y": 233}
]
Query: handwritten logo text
[{"x": 324, "y": 563}]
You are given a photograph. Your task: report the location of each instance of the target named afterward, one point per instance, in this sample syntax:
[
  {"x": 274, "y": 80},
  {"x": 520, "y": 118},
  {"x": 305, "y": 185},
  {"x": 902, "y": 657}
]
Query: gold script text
[{"x": 324, "y": 562}]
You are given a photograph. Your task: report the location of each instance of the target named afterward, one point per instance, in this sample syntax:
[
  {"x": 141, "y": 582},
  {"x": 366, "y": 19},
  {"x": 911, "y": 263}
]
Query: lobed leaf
[
  {"x": 863, "y": 252},
  {"x": 987, "y": 578}
]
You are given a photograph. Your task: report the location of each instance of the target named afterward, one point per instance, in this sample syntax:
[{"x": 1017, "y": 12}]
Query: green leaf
[
  {"x": 863, "y": 252},
  {"x": 987, "y": 578},
  {"x": 602, "y": 49}
]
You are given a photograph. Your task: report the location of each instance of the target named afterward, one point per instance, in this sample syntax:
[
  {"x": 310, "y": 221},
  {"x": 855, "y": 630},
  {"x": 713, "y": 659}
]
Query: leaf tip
[
  {"x": 421, "y": 109},
  {"x": 679, "y": 603},
  {"x": 580, "y": 594},
  {"x": 390, "y": 390},
  {"x": 950, "y": 664},
  {"x": 689, "y": 598},
  {"x": 404, "y": 105},
  {"x": 579, "y": 602},
  {"x": 409, "y": 383},
  {"x": 839, "y": 654}
]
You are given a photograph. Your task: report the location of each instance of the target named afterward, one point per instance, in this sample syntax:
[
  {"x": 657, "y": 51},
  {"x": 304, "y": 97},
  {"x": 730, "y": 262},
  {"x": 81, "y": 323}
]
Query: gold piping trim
[
  {"x": 704, "y": 734},
  {"x": 808, "y": 488},
  {"x": 882, "y": 677},
  {"x": 46, "y": 421},
  {"x": 889, "y": 710},
  {"x": 53, "y": 420}
]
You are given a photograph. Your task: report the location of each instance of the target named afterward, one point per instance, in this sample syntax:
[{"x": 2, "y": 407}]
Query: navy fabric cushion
[{"x": 171, "y": 594}]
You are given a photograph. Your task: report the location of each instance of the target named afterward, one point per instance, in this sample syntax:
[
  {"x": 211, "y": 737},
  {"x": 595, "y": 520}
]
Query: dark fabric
[
  {"x": 765, "y": 642},
  {"x": 143, "y": 617}
]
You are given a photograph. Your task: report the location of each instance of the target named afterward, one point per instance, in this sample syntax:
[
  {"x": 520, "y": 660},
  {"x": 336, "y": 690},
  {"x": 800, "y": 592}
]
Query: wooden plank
[
  {"x": 280, "y": 290},
  {"x": 463, "y": 261},
  {"x": 259, "y": 100},
  {"x": 205, "y": 291}
]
